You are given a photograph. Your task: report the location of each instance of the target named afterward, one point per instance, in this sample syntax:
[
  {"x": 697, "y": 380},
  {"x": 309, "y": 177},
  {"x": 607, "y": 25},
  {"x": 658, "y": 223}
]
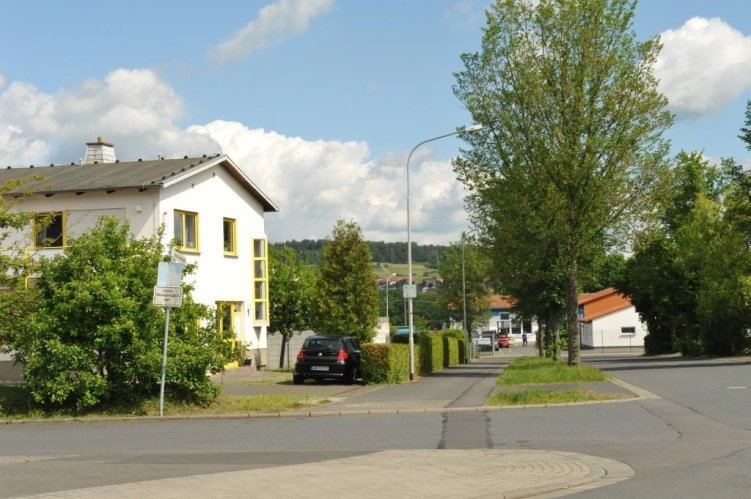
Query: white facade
[
  {"x": 238, "y": 280},
  {"x": 617, "y": 329}
]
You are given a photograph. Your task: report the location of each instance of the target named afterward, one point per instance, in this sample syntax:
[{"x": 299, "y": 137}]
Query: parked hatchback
[{"x": 328, "y": 357}]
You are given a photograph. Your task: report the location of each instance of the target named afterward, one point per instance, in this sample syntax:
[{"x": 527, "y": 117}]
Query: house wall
[
  {"x": 214, "y": 195},
  {"x": 606, "y": 331}
]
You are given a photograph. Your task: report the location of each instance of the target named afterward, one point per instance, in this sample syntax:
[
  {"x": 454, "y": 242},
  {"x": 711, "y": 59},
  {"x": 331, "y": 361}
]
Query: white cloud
[
  {"x": 314, "y": 182},
  {"x": 132, "y": 108},
  {"x": 317, "y": 182},
  {"x": 704, "y": 65},
  {"x": 275, "y": 23}
]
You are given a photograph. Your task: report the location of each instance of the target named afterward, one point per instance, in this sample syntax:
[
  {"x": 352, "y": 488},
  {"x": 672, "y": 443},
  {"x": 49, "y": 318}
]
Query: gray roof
[{"x": 120, "y": 175}]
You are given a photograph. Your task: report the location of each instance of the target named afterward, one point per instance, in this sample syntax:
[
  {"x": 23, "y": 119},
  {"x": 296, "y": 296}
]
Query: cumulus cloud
[
  {"x": 132, "y": 108},
  {"x": 313, "y": 181},
  {"x": 704, "y": 65},
  {"x": 276, "y": 22},
  {"x": 317, "y": 182}
]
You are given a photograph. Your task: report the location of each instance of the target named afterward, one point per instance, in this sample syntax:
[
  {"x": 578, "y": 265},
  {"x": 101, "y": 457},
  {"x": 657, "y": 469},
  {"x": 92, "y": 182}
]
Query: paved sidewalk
[{"x": 446, "y": 474}]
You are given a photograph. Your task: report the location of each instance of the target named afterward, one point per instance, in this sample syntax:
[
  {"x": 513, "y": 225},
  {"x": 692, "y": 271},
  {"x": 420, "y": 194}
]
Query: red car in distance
[{"x": 503, "y": 341}]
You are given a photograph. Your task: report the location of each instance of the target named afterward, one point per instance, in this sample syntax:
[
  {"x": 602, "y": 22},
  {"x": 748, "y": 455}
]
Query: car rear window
[{"x": 322, "y": 344}]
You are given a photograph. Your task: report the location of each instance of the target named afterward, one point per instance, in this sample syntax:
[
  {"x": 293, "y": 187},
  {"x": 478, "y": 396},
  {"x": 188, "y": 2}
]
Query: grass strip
[
  {"x": 537, "y": 370},
  {"x": 539, "y": 397},
  {"x": 15, "y": 404}
]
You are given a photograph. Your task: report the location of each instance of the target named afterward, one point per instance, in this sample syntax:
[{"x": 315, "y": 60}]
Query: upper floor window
[
  {"x": 230, "y": 243},
  {"x": 49, "y": 230},
  {"x": 186, "y": 230}
]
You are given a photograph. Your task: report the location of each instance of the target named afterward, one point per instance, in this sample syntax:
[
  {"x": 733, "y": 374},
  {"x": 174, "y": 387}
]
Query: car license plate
[{"x": 319, "y": 368}]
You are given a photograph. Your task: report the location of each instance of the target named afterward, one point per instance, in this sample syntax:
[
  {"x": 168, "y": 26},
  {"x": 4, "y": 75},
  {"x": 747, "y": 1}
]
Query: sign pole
[{"x": 164, "y": 362}]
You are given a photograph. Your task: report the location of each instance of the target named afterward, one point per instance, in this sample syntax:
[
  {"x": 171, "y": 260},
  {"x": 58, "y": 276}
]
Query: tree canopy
[
  {"x": 571, "y": 152},
  {"x": 346, "y": 291}
]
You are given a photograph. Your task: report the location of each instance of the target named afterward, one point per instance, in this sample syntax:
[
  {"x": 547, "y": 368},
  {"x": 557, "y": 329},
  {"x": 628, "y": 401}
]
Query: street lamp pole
[
  {"x": 464, "y": 297},
  {"x": 387, "y": 300},
  {"x": 410, "y": 292},
  {"x": 464, "y": 305}
]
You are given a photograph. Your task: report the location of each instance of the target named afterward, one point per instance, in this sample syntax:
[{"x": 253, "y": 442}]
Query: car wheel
[{"x": 298, "y": 380}]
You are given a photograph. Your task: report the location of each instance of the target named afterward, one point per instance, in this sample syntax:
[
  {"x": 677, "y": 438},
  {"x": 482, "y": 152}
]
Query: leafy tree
[
  {"x": 292, "y": 296},
  {"x": 689, "y": 279},
  {"x": 573, "y": 123},
  {"x": 475, "y": 279},
  {"x": 346, "y": 292},
  {"x": 94, "y": 338}
]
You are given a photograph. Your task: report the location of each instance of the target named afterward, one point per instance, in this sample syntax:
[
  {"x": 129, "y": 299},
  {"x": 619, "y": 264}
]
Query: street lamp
[
  {"x": 387, "y": 300},
  {"x": 464, "y": 301},
  {"x": 410, "y": 291}
]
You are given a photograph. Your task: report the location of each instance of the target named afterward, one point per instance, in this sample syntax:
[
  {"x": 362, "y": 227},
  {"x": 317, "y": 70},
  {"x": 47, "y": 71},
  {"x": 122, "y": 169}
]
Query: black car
[{"x": 328, "y": 357}]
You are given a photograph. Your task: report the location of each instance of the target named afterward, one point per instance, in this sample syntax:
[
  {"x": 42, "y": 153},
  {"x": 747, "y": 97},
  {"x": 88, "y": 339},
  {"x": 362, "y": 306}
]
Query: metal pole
[
  {"x": 464, "y": 304},
  {"x": 473, "y": 128},
  {"x": 164, "y": 362}
]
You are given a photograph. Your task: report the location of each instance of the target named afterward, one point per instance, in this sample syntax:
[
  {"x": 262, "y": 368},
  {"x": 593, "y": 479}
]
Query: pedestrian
[{"x": 524, "y": 339}]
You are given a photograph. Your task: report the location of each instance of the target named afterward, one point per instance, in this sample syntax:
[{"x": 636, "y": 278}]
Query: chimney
[{"x": 99, "y": 152}]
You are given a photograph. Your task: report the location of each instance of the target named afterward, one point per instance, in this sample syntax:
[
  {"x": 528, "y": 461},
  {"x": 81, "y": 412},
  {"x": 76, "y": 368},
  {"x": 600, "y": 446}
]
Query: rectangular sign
[
  {"x": 169, "y": 274},
  {"x": 168, "y": 296},
  {"x": 409, "y": 291}
]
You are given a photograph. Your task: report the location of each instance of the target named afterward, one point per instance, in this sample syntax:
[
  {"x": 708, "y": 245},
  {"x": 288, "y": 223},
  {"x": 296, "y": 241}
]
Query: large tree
[
  {"x": 292, "y": 296},
  {"x": 346, "y": 291},
  {"x": 572, "y": 147}
]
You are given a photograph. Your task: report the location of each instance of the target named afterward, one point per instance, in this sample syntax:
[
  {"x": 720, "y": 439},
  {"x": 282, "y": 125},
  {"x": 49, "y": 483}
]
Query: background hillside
[{"x": 309, "y": 251}]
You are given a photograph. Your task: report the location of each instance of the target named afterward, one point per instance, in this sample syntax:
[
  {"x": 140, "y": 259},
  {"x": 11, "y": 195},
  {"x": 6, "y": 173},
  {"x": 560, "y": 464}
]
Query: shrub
[
  {"x": 385, "y": 363},
  {"x": 95, "y": 340}
]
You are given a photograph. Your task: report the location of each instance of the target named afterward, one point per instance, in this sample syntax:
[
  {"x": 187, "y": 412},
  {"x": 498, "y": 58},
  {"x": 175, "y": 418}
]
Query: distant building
[{"x": 608, "y": 319}]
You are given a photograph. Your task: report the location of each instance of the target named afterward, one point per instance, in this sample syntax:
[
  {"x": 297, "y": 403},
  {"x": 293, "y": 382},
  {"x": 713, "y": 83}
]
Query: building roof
[
  {"x": 141, "y": 174},
  {"x": 500, "y": 301},
  {"x": 602, "y": 303}
]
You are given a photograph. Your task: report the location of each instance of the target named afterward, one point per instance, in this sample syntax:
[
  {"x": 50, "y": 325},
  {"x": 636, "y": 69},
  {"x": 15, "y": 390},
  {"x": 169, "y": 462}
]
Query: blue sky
[{"x": 318, "y": 100}]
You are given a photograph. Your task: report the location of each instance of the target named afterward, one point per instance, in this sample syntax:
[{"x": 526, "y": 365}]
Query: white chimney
[{"x": 99, "y": 152}]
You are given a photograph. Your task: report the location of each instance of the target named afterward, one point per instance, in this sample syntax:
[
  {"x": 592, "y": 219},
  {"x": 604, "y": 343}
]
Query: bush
[
  {"x": 385, "y": 363},
  {"x": 431, "y": 354},
  {"x": 454, "y": 346},
  {"x": 94, "y": 340}
]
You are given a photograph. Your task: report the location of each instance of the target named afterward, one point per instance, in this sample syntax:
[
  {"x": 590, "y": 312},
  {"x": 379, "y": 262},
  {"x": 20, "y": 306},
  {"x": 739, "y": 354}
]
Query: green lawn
[
  {"x": 537, "y": 371},
  {"x": 14, "y": 404},
  {"x": 534, "y": 371}
]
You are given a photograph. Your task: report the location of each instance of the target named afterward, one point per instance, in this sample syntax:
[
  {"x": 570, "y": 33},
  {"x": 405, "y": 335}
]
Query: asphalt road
[{"x": 690, "y": 439}]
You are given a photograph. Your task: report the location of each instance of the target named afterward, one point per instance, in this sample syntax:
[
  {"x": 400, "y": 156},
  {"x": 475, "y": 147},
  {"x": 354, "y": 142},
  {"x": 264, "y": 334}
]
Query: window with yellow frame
[
  {"x": 260, "y": 280},
  {"x": 49, "y": 230},
  {"x": 230, "y": 236},
  {"x": 186, "y": 230}
]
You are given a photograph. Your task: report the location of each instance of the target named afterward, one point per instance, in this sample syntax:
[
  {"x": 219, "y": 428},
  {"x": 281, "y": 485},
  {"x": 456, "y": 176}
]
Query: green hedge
[
  {"x": 454, "y": 353},
  {"x": 387, "y": 363}
]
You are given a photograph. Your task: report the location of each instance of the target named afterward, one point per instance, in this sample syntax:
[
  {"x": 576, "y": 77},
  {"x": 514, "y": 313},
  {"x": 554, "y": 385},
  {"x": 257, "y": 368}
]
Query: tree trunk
[
  {"x": 284, "y": 347},
  {"x": 572, "y": 317},
  {"x": 540, "y": 338}
]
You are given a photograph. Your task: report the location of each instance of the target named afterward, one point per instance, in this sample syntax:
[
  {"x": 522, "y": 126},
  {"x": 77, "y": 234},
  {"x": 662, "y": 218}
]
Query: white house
[
  {"x": 608, "y": 319},
  {"x": 503, "y": 320},
  {"x": 208, "y": 205}
]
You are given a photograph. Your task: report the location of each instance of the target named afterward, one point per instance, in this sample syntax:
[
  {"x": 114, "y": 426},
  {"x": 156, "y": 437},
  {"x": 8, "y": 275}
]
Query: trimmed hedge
[
  {"x": 386, "y": 363},
  {"x": 389, "y": 363}
]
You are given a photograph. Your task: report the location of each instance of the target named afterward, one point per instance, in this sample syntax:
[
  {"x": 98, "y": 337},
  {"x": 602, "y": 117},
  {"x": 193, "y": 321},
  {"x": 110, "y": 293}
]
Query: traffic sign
[{"x": 168, "y": 296}]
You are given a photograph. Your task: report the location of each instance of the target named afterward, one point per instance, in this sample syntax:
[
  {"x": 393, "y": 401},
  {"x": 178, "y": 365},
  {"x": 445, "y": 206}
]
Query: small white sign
[
  {"x": 169, "y": 274},
  {"x": 168, "y": 296},
  {"x": 409, "y": 291}
]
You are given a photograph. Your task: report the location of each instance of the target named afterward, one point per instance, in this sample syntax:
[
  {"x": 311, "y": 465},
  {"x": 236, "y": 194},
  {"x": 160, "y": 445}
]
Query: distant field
[{"x": 420, "y": 270}]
